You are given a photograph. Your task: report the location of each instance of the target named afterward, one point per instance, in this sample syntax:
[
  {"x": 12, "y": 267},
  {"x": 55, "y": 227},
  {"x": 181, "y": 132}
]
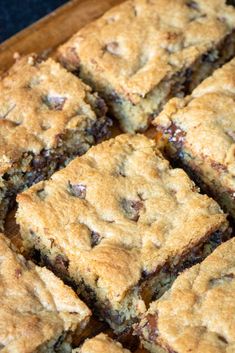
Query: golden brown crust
[
  {"x": 101, "y": 344},
  {"x": 116, "y": 212},
  {"x": 36, "y": 308},
  {"x": 40, "y": 101},
  {"x": 137, "y": 45},
  {"x": 198, "y": 313},
  {"x": 205, "y": 122}
]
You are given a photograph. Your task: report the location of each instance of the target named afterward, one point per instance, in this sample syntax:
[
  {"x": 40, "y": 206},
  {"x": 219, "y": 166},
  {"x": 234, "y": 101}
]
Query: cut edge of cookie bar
[
  {"x": 22, "y": 169},
  {"x": 119, "y": 310},
  {"x": 47, "y": 312},
  {"x": 136, "y": 111},
  {"x": 101, "y": 343},
  {"x": 212, "y": 176},
  {"x": 197, "y": 313}
]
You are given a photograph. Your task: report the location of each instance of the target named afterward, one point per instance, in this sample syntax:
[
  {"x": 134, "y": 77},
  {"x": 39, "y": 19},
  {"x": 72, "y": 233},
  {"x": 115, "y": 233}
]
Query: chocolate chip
[
  {"x": 192, "y": 4},
  {"x": 77, "y": 190},
  {"x": 38, "y": 59},
  {"x": 112, "y": 48},
  {"x": 144, "y": 274},
  {"x": 100, "y": 107},
  {"x": 176, "y": 134},
  {"x": 46, "y": 153},
  {"x": 61, "y": 263},
  {"x": 132, "y": 208},
  {"x": 54, "y": 102},
  {"x": 18, "y": 273},
  {"x": 224, "y": 278},
  {"x": 100, "y": 129},
  {"x": 218, "y": 166},
  {"x": 117, "y": 318},
  {"x": 39, "y": 162},
  {"x": 112, "y": 315},
  {"x": 228, "y": 276},
  {"x": 151, "y": 327},
  {"x": 71, "y": 60},
  {"x": 136, "y": 205},
  {"x": 41, "y": 194},
  {"x": 222, "y": 338},
  {"x": 95, "y": 239},
  {"x": 171, "y": 36}
]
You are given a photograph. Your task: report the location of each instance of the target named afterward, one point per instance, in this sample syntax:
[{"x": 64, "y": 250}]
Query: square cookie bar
[
  {"x": 119, "y": 223},
  {"x": 101, "y": 344},
  {"x": 198, "y": 313},
  {"x": 38, "y": 312},
  {"x": 141, "y": 53},
  {"x": 47, "y": 117},
  {"x": 200, "y": 130}
]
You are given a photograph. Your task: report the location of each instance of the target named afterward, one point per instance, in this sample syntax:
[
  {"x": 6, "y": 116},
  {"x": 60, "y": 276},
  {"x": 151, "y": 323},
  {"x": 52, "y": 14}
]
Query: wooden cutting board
[{"x": 43, "y": 37}]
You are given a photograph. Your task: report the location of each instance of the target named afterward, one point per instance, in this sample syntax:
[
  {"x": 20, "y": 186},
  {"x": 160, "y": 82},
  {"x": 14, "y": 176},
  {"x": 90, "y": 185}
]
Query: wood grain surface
[{"x": 43, "y": 37}]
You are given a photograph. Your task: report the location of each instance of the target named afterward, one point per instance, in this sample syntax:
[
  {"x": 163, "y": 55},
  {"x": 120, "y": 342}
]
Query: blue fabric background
[{"x": 18, "y": 14}]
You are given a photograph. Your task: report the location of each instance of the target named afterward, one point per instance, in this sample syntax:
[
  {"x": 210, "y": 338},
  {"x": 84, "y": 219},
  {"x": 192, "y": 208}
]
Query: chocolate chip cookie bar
[
  {"x": 47, "y": 117},
  {"x": 141, "y": 53},
  {"x": 101, "y": 344},
  {"x": 198, "y": 313},
  {"x": 201, "y": 134},
  {"x": 38, "y": 313},
  {"x": 119, "y": 223}
]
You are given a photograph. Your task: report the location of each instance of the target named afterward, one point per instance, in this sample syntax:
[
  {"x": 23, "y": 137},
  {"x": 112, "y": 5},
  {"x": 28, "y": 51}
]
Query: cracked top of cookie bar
[
  {"x": 35, "y": 306},
  {"x": 119, "y": 212},
  {"x": 137, "y": 44},
  {"x": 101, "y": 344},
  {"x": 39, "y": 102},
  {"x": 204, "y": 123},
  {"x": 202, "y": 300}
]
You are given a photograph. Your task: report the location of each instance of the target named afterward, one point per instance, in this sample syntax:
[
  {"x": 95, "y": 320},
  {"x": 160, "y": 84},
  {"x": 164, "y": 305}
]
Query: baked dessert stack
[
  {"x": 47, "y": 117},
  {"x": 141, "y": 53},
  {"x": 200, "y": 133},
  {"x": 38, "y": 312},
  {"x": 132, "y": 235},
  {"x": 120, "y": 224},
  {"x": 198, "y": 313}
]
